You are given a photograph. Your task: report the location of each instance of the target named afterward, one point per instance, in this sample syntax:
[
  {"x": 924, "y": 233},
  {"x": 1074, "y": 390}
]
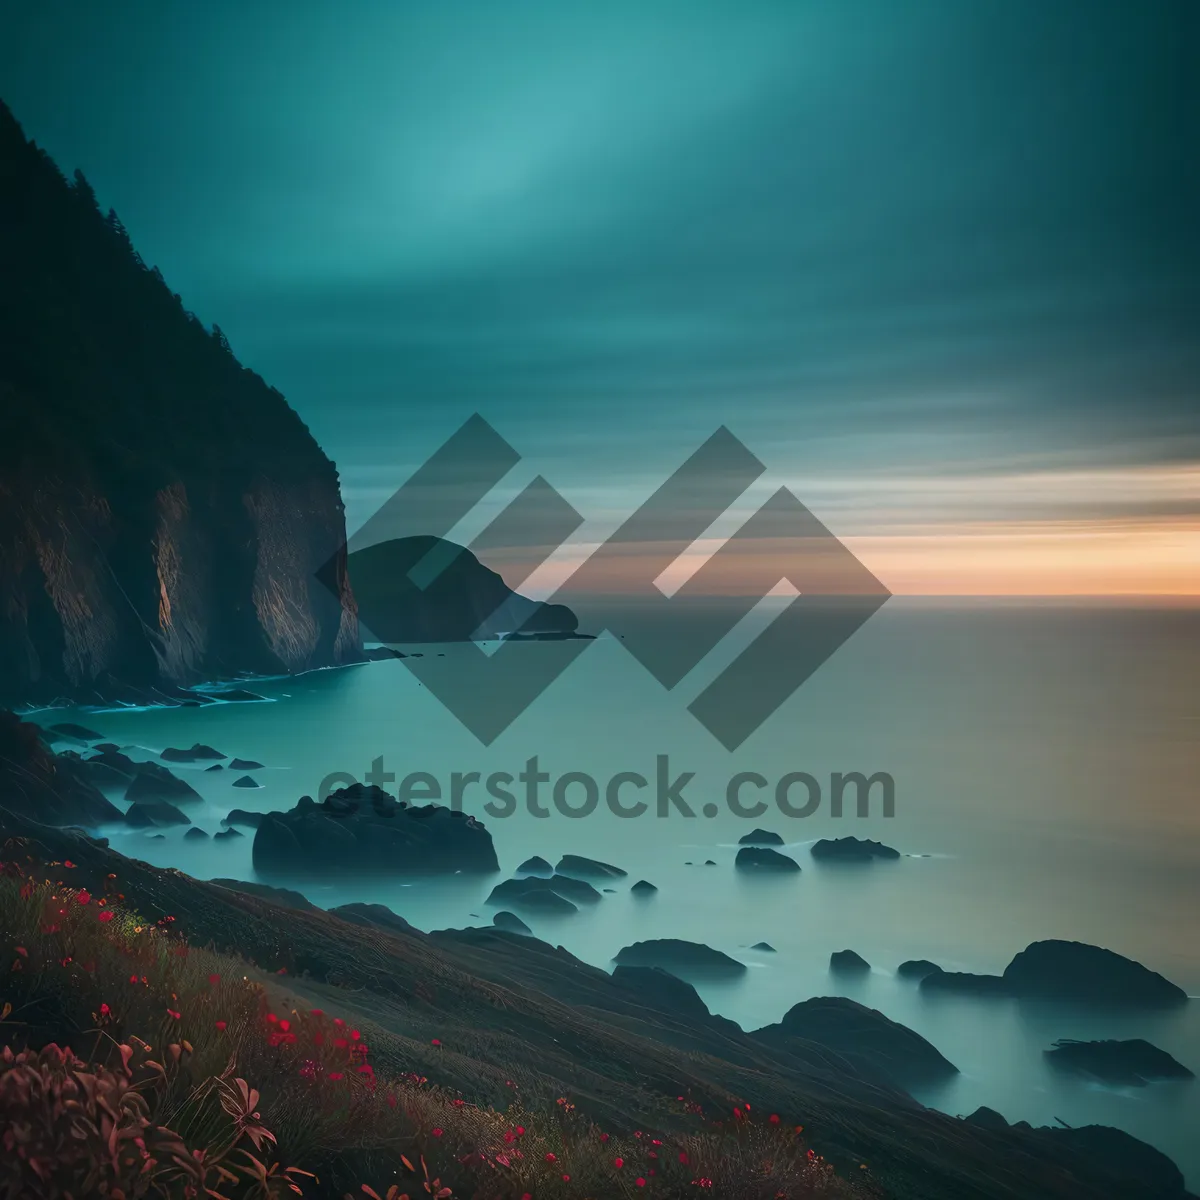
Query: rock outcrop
[
  {"x": 760, "y": 837},
  {"x": 587, "y": 868},
  {"x": 163, "y": 513},
  {"x": 146, "y": 814},
  {"x": 363, "y": 828},
  {"x": 851, "y": 849},
  {"x": 1058, "y": 970},
  {"x": 53, "y": 789},
  {"x": 511, "y": 923},
  {"x": 762, "y": 858},
  {"x": 916, "y": 968},
  {"x": 848, "y": 962},
  {"x": 964, "y": 983},
  {"x": 682, "y": 958},
  {"x": 535, "y": 891},
  {"x": 154, "y": 782},
  {"x": 197, "y": 752},
  {"x": 875, "y": 1044},
  {"x": 1131, "y": 1063},
  {"x": 460, "y": 598}
]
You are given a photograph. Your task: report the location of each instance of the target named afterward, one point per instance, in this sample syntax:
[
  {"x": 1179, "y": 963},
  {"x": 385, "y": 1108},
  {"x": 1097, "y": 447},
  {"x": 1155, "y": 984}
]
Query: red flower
[
  {"x": 318, "y": 1039},
  {"x": 214, "y": 979},
  {"x": 335, "y": 1075},
  {"x": 566, "y": 1179},
  {"x": 284, "y": 1026},
  {"x": 391, "y": 1100},
  {"x": 104, "y": 1010},
  {"x": 354, "y": 1035},
  {"x": 604, "y": 1137},
  {"x": 22, "y": 952},
  {"x": 618, "y": 1163},
  {"x": 435, "y": 1042},
  {"x": 174, "y": 1015},
  {"x": 68, "y": 864},
  {"x": 640, "y": 1181},
  {"x": 683, "y": 1158},
  {"x": 552, "y": 1157},
  {"x": 273, "y": 1018},
  {"x": 338, "y": 1022},
  {"x": 84, "y": 898},
  {"x": 520, "y": 1131},
  {"x": 509, "y": 1136},
  {"x": 221, "y": 1026},
  {"x": 104, "y": 916},
  {"x": 774, "y": 1118},
  {"x": 316, "y": 1012},
  {"x": 436, "y": 1132}
]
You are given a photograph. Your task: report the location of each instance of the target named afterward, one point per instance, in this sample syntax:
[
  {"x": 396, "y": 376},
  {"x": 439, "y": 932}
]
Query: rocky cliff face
[{"x": 163, "y": 512}]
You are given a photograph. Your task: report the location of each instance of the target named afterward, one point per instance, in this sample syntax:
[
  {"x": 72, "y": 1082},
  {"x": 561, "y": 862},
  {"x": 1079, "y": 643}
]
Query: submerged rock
[
  {"x": 760, "y": 837},
  {"x": 530, "y": 892},
  {"x": 848, "y": 962},
  {"x": 237, "y": 695},
  {"x": 643, "y": 887},
  {"x": 535, "y": 866},
  {"x": 1133, "y": 1063},
  {"x": 1059, "y": 970},
  {"x": 77, "y": 733},
  {"x": 765, "y": 946},
  {"x": 154, "y": 782},
  {"x": 680, "y": 957},
  {"x": 762, "y": 858},
  {"x": 869, "y": 1040},
  {"x": 225, "y": 835},
  {"x": 363, "y": 828},
  {"x": 587, "y": 868},
  {"x": 244, "y": 764},
  {"x": 195, "y": 834},
  {"x": 964, "y": 982},
  {"x": 216, "y": 767},
  {"x": 851, "y": 849},
  {"x": 510, "y": 922},
  {"x": 143, "y": 814},
  {"x": 195, "y": 753},
  {"x": 246, "y": 781}
]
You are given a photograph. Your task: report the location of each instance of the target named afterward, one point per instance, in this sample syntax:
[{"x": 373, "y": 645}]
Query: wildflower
[
  {"x": 336, "y": 1075},
  {"x": 509, "y": 1136},
  {"x": 774, "y": 1118},
  {"x": 683, "y": 1158},
  {"x": 520, "y": 1131},
  {"x": 339, "y": 1022},
  {"x": 104, "y": 917},
  {"x": 104, "y": 1010},
  {"x": 273, "y": 1018},
  {"x": 175, "y": 1016},
  {"x": 436, "y": 1132},
  {"x": 640, "y": 1181},
  {"x": 84, "y": 897},
  {"x": 566, "y": 1178},
  {"x": 316, "y": 1012},
  {"x": 221, "y": 1026},
  {"x": 391, "y": 1099},
  {"x": 436, "y": 1042},
  {"x": 458, "y": 1103},
  {"x": 68, "y": 864},
  {"x": 22, "y": 952},
  {"x": 604, "y": 1137},
  {"x": 618, "y": 1163},
  {"x": 355, "y": 1035},
  {"x": 284, "y": 1026},
  {"x": 318, "y": 1039},
  {"x": 214, "y": 979},
  {"x": 551, "y": 1157}
]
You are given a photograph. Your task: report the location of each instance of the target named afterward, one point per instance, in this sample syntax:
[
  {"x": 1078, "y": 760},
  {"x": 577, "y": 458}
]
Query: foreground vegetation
[{"x": 185, "y": 1078}]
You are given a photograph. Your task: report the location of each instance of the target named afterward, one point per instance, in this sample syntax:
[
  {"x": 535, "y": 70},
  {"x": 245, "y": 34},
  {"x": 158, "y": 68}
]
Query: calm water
[{"x": 1046, "y": 763}]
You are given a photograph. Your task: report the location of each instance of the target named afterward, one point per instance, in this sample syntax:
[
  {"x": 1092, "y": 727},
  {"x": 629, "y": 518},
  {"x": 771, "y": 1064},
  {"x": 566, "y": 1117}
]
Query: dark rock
[
  {"x": 916, "y": 968},
  {"x": 682, "y": 958},
  {"x": 765, "y": 946},
  {"x": 382, "y": 653},
  {"x": 851, "y": 849},
  {"x": 965, "y": 983},
  {"x": 43, "y": 786},
  {"x": 510, "y": 922},
  {"x": 106, "y": 746},
  {"x": 460, "y": 597},
  {"x": 196, "y": 753},
  {"x": 660, "y": 989},
  {"x": 527, "y": 891},
  {"x": 1132, "y": 1063},
  {"x": 244, "y": 764},
  {"x": 848, "y": 962},
  {"x": 156, "y": 837},
  {"x": 216, "y": 767},
  {"x": 587, "y": 868},
  {"x": 762, "y": 858},
  {"x": 284, "y": 896},
  {"x": 643, "y": 887},
  {"x": 1059, "y": 970},
  {"x": 1147, "y": 1172},
  {"x": 195, "y": 834},
  {"x": 237, "y": 696},
  {"x": 77, "y": 733},
  {"x": 709, "y": 862},
  {"x": 239, "y": 816},
  {"x": 535, "y": 866},
  {"x": 362, "y": 828},
  {"x": 143, "y": 814},
  {"x": 225, "y": 835},
  {"x": 377, "y": 915},
  {"x": 246, "y": 782},
  {"x": 760, "y": 837},
  {"x": 870, "y": 1041},
  {"x": 154, "y": 782},
  {"x": 986, "y": 1118}
]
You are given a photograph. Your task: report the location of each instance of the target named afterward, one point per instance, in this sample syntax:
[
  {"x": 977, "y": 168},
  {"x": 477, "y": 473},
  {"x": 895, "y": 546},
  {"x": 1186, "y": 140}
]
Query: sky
[{"x": 937, "y": 264}]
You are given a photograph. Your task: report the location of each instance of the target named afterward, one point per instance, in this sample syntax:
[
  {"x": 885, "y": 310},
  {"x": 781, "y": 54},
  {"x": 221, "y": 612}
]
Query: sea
[{"x": 1045, "y": 761}]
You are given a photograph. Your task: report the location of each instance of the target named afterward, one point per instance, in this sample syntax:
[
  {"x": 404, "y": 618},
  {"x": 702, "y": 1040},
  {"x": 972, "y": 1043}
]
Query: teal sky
[{"x": 935, "y": 262}]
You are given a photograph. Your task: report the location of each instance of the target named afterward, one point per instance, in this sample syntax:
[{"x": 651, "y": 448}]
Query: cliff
[{"x": 163, "y": 512}]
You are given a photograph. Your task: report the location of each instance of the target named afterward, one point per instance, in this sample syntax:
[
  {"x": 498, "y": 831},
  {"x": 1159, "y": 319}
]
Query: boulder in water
[
  {"x": 1060, "y": 970},
  {"x": 195, "y": 834},
  {"x": 239, "y": 816},
  {"x": 760, "y": 837},
  {"x": 155, "y": 782},
  {"x": 916, "y": 968},
  {"x": 679, "y": 957},
  {"x": 535, "y": 866},
  {"x": 848, "y": 962},
  {"x": 196, "y": 753},
  {"x": 76, "y": 733},
  {"x": 587, "y": 868},
  {"x": 763, "y": 858},
  {"x": 851, "y": 849},
  {"x": 225, "y": 835},
  {"x": 246, "y": 781},
  {"x": 144, "y": 814},
  {"x": 244, "y": 764},
  {"x": 1131, "y": 1063},
  {"x": 964, "y": 983},
  {"x": 643, "y": 887}
]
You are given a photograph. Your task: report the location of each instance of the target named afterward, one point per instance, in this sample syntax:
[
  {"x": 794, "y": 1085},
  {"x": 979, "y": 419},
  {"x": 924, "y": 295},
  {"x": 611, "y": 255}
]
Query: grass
[{"x": 189, "y": 1035}]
